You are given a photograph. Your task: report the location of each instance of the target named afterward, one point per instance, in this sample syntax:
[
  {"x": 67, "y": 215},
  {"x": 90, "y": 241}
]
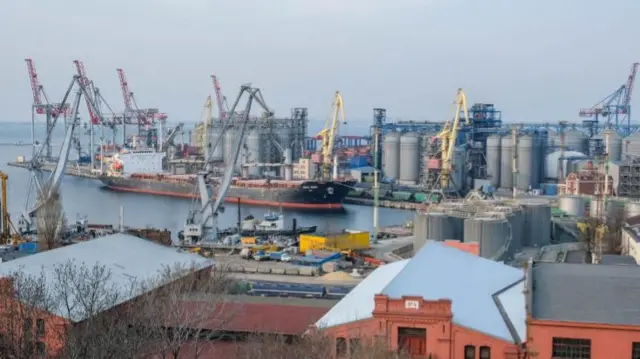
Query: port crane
[
  {"x": 330, "y": 133},
  {"x": 445, "y": 184},
  {"x": 221, "y": 100},
  {"x": 37, "y": 181},
  {"x": 201, "y": 223},
  {"x": 41, "y": 104},
  {"x": 615, "y": 108}
]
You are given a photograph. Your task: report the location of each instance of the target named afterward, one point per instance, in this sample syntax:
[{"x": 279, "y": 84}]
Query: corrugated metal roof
[
  {"x": 253, "y": 317},
  {"x": 128, "y": 258},
  {"x": 586, "y": 293},
  {"x": 479, "y": 288},
  {"x": 438, "y": 271},
  {"x": 358, "y": 304}
]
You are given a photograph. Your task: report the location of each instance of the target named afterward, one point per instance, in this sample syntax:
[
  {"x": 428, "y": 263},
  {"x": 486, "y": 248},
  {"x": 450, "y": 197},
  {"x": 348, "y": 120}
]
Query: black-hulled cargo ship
[{"x": 301, "y": 195}]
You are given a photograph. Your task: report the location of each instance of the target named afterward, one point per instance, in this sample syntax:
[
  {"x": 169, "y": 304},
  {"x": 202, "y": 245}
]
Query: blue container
[
  {"x": 358, "y": 161},
  {"x": 28, "y": 247},
  {"x": 551, "y": 189}
]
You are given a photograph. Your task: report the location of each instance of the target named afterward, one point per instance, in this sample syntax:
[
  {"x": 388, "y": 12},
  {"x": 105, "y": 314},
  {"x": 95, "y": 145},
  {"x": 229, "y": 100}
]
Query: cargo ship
[{"x": 293, "y": 194}]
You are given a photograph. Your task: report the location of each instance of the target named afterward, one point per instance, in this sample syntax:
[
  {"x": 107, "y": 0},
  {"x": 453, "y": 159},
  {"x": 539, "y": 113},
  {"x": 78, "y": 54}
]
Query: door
[{"x": 413, "y": 340}]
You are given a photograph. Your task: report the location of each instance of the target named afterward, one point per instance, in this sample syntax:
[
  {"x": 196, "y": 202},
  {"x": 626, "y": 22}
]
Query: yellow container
[
  {"x": 339, "y": 241},
  {"x": 248, "y": 240}
]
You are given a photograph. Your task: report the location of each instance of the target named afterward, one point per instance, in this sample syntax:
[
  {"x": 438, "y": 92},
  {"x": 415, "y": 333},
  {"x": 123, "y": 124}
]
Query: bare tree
[
  {"x": 49, "y": 217},
  {"x": 191, "y": 310}
]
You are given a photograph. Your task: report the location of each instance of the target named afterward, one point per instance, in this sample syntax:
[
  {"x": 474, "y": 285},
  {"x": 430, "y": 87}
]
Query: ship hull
[{"x": 311, "y": 195}]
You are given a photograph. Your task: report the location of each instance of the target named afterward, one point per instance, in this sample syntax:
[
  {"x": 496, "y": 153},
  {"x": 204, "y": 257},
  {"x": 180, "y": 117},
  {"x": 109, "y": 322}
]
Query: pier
[{"x": 73, "y": 169}]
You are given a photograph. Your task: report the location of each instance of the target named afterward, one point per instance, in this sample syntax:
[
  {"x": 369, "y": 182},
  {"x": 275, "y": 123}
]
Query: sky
[{"x": 537, "y": 61}]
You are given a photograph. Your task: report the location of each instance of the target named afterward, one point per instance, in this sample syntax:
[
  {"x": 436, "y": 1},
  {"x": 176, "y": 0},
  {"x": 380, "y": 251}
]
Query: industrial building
[
  {"x": 126, "y": 257},
  {"x": 500, "y": 228},
  {"x": 423, "y": 305}
]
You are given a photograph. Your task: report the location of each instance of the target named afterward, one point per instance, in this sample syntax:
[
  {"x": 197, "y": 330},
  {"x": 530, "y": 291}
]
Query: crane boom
[
  {"x": 35, "y": 85},
  {"x": 449, "y": 136},
  {"x": 126, "y": 94},
  {"x": 330, "y": 132},
  {"x": 222, "y": 114},
  {"x": 84, "y": 81},
  {"x": 630, "y": 82}
]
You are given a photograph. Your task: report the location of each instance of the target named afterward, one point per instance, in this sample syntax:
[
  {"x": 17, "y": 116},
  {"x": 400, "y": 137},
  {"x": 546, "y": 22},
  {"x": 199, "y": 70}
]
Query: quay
[{"x": 385, "y": 204}]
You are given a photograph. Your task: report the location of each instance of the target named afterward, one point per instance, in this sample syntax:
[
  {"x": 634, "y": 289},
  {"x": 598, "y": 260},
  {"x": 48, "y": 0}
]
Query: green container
[
  {"x": 420, "y": 197},
  {"x": 401, "y": 196}
]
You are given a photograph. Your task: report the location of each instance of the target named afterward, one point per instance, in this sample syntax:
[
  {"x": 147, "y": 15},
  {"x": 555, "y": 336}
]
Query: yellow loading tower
[{"x": 338, "y": 241}]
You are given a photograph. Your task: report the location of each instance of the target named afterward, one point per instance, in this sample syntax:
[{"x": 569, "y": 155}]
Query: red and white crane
[
  {"x": 39, "y": 95},
  {"x": 126, "y": 94},
  {"x": 144, "y": 116},
  {"x": 95, "y": 119},
  {"x": 223, "y": 109}
]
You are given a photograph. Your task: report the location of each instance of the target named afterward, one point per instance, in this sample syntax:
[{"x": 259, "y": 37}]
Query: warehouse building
[
  {"x": 444, "y": 302},
  {"x": 128, "y": 260},
  {"x": 583, "y": 310}
]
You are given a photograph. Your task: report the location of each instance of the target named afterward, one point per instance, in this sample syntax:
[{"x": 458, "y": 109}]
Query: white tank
[
  {"x": 391, "y": 155},
  {"x": 214, "y": 134},
  {"x": 229, "y": 144},
  {"x": 253, "y": 145},
  {"x": 631, "y": 145},
  {"x": 572, "y": 205},
  {"x": 551, "y": 163},
  {"x": 409, "y": 158},
  {"x": 493, "y": 159},
  {"x": 506, "y": 169},
  {"x": 575, "y": 140},
  {"x": 615, "y": 146}
]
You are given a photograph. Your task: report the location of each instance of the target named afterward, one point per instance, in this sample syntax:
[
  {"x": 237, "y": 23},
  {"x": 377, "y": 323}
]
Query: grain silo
[
  {"x": 409, "y": 158},
  {"x": 527, "y": 163},
  {"x": 575, "y": 140},
  {"x": 253, "y": 151},
  {"x": 438, "y": 226},
  {"x": 492, "y": 234},
  {"x": 572, "y": 205},
  {"x": 631, "y": 145},
  {"x": 391, "y": 155},
  {"x": 514, "y": 215},
  {"x": 506, "y": 169},
  {"x": 215, "y": 132},
  {"x": 493, "y": 159},
  {"x": 229, "y": 143},
  {"x": 614, "y": 145},
  {"x": 537, "y": 223}
]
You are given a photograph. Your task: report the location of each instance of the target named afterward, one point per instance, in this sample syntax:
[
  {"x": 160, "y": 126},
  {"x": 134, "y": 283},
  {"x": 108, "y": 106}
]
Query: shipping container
[
  {"x": 401, "y": 195},
  {"x": 28, "y": 247},
  {"x": 420, "y": 197},
  {"x": 248, "y": 240},
  {"x": 550, "y": 189},
  {"x": 339, "y": 241},
  {"x": 358, "y": 161}
]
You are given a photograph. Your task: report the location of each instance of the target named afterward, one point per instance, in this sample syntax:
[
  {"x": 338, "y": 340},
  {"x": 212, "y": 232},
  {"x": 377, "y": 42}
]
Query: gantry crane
[
  {"x": 330, "y": 133},
  {"x": 448, "y": 137},
  {"x": 615, "y": 108},
  {"x": 46, "y": 188},
  {"x": 201, "y": 222},
  {"x": 50, "y": 110}
]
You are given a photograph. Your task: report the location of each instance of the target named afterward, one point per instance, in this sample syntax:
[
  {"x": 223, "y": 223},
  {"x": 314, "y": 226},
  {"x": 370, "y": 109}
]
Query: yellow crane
[
  {"x": 449, "y": 135},
  {"x": 202, "y": 128},
  {"x": 5, "y": 221},
  {"x": 329, "y": 134}
]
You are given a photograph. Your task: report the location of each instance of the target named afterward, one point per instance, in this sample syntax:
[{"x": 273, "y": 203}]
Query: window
[
  {"x": 635, "y": 350},
  {"x": 469, "y": 352},
  {"x": 341, "y": 347},
  {"x": 41, "y": 349},
  {"x": 354, "y": 346},
  {"x": 485, "y": 353},
  {"x": 40, "y": 327},
  {"x": 569, "y": 348},
  {"x": 28, "y": 323}
]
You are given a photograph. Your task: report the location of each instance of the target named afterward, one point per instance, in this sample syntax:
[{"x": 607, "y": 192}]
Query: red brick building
[{"x": 444, "y": 302}]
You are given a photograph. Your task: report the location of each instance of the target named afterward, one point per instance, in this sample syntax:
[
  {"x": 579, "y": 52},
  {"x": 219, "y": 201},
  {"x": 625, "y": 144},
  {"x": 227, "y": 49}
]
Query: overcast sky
[{"x": 537, "y": 60}]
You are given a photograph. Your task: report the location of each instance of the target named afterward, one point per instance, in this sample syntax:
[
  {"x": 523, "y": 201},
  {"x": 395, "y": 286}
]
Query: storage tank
[
  {"x": 438, "y": 226},
  {"x": 493, "y": 159},
  {"x": 391, "y": 155},
  {"x": 612, "y": 209},
  {"x": 506, "y": 170},
  {"x": 537, "y": 222},
  {"x": 229, "y": 143},
  {"x": 575, "y": 140},
  {"x": 631, "y": 145},
  {"x": 527, "y": 163},
  {"x": 253, "y": 150},
  {"x": 631, "y": 209},
  {"x": 492, "y": 234},
  {"x": 515, "y": 217},
  {"x": 572, "y": 205},
  {"x": 214, "y": 134},
  {"x": 459, "y": 173},
  {"x": 552, "y": 160},
  {"x": 409, "y": 158},
  {"x": 615, "y": 145}
]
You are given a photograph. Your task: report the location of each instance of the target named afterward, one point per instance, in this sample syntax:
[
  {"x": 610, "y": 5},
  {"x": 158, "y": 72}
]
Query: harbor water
[{"x": 87, "y": 197}]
